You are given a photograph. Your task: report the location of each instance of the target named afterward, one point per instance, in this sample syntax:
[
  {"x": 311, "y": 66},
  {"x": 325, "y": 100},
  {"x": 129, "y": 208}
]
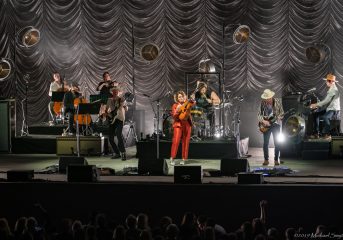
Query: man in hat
[
  {"x": 269, "y": 115},
  {"x": 115, "y": 109},
  {"x": 330, "y": 104}
]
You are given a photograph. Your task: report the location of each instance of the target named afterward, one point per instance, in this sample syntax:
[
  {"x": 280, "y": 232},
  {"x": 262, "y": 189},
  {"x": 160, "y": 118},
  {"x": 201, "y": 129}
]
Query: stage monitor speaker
[
  {"x": 65, "y": 161},
  {"x": 7, "y": 124},
  {"x": 20, "y": 175},
  {"x": 152, "y": 166},
  {"x": 230, "y": 167},
  {"x": 250, "y": 178},
  {"x": 82, "y": 173},
  {"x": 188, "y": 174},
  {"x": 292, "y": 101}
]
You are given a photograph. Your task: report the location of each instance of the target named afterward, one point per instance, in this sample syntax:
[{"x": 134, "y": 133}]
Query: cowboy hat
[
  {"x": 267, "y": 93},
  {"x": 330, "y": 77}
]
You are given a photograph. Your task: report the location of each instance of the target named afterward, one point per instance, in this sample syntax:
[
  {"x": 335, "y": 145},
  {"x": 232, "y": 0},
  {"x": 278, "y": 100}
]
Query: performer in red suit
[{"x": 182, "y": 125}]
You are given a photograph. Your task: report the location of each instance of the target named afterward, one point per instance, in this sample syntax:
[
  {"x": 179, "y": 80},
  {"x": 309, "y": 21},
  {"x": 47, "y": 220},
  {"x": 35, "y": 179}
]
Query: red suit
[{"x": 182, "y": 128}]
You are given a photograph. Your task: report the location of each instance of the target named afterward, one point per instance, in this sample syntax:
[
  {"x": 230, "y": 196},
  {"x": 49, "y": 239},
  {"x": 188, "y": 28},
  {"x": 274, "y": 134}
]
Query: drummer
[{"x": 206, "y": 101}]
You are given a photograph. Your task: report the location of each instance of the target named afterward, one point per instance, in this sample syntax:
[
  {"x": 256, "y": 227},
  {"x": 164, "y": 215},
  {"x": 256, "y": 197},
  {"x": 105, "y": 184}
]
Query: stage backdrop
[{"x": 83, "y": 38}]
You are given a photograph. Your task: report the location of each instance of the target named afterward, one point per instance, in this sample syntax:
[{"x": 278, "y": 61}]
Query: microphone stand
[{"x": 24, "y": 127}]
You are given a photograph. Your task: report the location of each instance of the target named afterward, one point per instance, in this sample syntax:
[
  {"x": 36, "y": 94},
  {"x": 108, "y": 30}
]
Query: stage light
[
  {"x": 28, "y": 36},
  {"x": 317, "y": 53},
  {"x": 281, "y": 137},
  {"x": 149, "y": 52},
  {"x": 241, "y": 34},
  {"x": 217, "y": 135},
  {"x": 5, "y": 69},
  {"x": 237, "y": 33},
  {"x": 294, "y": 128},
  {"x": 206, "y": 66}
]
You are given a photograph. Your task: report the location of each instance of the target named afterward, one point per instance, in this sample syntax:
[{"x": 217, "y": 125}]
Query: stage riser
[
  {"x": 34, "y": 145},
  {"x": 197, "y": 150},
  {"x": 88, "y": 145}
]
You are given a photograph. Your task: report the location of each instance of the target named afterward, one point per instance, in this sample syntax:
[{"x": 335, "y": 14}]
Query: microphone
[{"x": 145, "y": 95}]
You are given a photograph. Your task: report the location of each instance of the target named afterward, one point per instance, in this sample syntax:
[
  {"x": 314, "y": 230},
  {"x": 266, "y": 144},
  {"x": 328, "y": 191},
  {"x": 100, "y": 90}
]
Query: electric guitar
[
  {"x": 272, "y": 120},
  {"x": 113, "y": 115}
]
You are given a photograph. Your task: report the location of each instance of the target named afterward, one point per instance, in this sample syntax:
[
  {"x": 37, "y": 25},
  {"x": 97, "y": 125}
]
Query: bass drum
[{"x": 294, "y": 126}]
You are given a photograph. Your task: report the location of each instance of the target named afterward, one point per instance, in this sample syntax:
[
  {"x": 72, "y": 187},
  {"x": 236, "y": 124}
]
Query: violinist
[
  {"x": 106, "y": 84},
  {"x": 182, "y": 125},
  {"x": 55, "y": 86},
  {"x": 68, "y": 103}
]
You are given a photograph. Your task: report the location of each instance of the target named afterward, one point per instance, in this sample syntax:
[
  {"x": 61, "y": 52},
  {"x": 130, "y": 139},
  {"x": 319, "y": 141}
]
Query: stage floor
[{"x": 304, "y": 171}]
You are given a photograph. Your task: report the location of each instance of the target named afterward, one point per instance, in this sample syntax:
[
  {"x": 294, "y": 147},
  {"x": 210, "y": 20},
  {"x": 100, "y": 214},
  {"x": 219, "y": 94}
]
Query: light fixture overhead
[
  {"x": 241, "y": 34},
  {"x": 317, "y": 53},
  {"x": 149, "y": 52},
  {"x": 5, "y": 69},
  {"x": 206, "y": 66},
  {"x": 28, "y": 36}
]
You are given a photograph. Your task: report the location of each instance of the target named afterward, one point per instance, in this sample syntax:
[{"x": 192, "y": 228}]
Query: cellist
[
  {"x": 55, "y": 86},
  {"x": 182, "y": 125}
]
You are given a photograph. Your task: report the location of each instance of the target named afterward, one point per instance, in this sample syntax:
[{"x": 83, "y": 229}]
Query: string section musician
[
  {"x": 182, "y": 125},
  {"x": 270, "y": 114},
  {"x": 69, "y": 104},
  {"x": 55, "y": 85},
  {"x": 104, "y": 87},
  {"x": 115, "y": 111}
]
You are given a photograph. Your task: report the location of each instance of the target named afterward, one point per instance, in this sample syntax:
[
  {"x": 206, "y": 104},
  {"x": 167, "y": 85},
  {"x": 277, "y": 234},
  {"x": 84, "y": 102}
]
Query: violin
[{"x": 185, "y": 109}]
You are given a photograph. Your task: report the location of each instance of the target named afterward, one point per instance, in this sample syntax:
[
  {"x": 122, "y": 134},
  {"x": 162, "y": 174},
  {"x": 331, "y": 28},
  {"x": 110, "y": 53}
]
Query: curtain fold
[{"x": 83, "y": 38}]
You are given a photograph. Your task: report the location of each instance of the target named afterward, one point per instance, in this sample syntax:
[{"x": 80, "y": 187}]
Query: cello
[
  {"x": 59, "y": 105},
  {"x": 83, "y": 119}
]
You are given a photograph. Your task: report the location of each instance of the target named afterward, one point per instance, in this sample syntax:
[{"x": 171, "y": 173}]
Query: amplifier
[{"x": 89, "y": 145}]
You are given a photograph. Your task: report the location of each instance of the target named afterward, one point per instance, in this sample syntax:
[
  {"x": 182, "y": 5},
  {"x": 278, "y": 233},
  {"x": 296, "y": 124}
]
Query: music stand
[
  {"x": 84, "y": 108},
  {"x": 58, "y": 97}
]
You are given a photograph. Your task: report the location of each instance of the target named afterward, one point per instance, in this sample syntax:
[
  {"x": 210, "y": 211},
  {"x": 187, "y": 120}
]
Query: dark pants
[
  {"x": 115, "y": 130},
  {"x": 70, "y": 114},
  {"x": 275, "y": 130},
  {"x": 326, "y": 116}
]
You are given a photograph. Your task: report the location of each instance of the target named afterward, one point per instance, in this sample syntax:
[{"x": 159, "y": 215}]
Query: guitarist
[
  {"x": 269, "y": 116},
  {"x": 182, "y": 125},
  {"x": 115, "y": 109}
]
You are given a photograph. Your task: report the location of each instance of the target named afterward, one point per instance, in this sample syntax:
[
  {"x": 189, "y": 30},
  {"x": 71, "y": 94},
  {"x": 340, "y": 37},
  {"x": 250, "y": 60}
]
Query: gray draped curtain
[{"x": 83, "y": 38}]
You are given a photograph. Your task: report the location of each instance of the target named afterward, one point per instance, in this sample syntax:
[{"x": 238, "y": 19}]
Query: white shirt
[
  {"x": 112, "y": 104},
  {"x": 332, "y": 98},
  {"x": 54, "y": 86}
]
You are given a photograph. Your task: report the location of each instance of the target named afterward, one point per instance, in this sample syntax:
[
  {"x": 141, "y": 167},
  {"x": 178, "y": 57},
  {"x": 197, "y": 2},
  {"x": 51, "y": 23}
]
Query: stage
[
  {"x": 303, "y": 171},
  {"x": 313, "y": 185}
]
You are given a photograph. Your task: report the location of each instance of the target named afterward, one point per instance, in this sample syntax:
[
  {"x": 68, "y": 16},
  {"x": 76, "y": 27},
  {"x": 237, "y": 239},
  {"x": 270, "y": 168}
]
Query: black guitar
[{"x": 272, "y": 120}]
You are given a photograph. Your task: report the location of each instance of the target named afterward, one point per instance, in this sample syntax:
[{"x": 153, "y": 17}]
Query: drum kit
[{"x": 206, "y": 121}]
